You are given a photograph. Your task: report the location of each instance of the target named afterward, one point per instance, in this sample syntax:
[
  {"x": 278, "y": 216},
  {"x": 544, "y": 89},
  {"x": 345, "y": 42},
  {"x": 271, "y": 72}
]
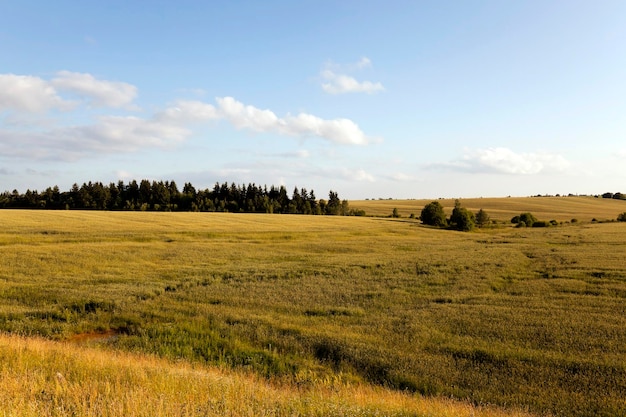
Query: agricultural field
[
  {"x": 135, "y": 313},
  {"x": 561, "y": 209}
]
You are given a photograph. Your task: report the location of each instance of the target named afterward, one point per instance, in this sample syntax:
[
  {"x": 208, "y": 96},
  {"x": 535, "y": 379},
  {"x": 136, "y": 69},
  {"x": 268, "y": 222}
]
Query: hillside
[
  {"x": 44, "y": 378},
  {"x": 503, "y": 209}
]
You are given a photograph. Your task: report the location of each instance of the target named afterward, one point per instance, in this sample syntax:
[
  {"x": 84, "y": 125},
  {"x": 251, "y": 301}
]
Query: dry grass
[
  {"x": 561, "y": 209},
  {"x": 45, "y": 378},
  {"x": 526, "y": 318}
]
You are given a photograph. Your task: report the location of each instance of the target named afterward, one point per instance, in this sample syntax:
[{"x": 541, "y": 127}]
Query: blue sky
[{"x": 372, "y": 99}]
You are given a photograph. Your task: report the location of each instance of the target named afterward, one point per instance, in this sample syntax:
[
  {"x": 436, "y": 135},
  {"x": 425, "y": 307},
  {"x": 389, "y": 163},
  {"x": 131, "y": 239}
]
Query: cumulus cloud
[
  {"x": 341, "y": 84},
  {"x": 303, "y": 125},
  {"x": 25, "y": 93},
  {"x": 185, "y": 111},
  {"x": 31, "y": 129},
  {"x": 505, "y": 161},
  {"x": 100, "y": 93},
  {"x": 336, "y": 82},
  {"x": 125, "y": 133}
]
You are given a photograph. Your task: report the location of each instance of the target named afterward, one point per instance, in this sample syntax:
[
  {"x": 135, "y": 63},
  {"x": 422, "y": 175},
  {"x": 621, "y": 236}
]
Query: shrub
[
  {"x": 527, "y": 218},
  {"x": 540, "y": 224},
  {"x": 621, "y": 217},
  {"x": 462, "y": 219},
  {"x": 482, "y": 218},
  {"x": 433, "y": 215}
]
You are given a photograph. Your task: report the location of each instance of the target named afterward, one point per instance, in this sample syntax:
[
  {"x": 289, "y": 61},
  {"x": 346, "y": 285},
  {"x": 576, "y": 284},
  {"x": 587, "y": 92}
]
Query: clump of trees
[
  {"x": 461, "y": 219},
  {"x": 433, "y": 215},
  {"x": 524, "y": 220},
  {"x": 616, "y": 196},
  {"x": 529, "y": 220},
  {"x": 166, "y": 196}
]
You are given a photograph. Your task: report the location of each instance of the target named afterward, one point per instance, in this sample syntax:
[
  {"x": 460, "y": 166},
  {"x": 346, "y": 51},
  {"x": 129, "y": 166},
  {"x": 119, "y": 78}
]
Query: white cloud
[
  {"x": 100, "y": 93},
  {"x": 336, "y": 82},
  {"x": 189, "y": 111},
  {"x": 505, "y": 161},
  {"x": 303, "y": 125},
  {"x": 356, "y": 175},
  {"x": 108, "y": 134},
  {"x": 341, "y": 84},
  {"x": 31, "y": 129},
  {"x": 248, "y": 117},
  {"x": 298, "y": 154},
  {"x": 621, "y": 153},
  {"x": 126, "y": 133},
  {"x": 364, "y": 62},
  {"x": 25, "y": 93},
  {"x": 399, "y": 176}
]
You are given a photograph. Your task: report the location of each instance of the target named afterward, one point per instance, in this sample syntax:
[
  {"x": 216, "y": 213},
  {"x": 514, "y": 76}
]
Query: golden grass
[
  {"x": 44, "y": 378},
  {"x": 561, "y": 209},
  {"x": 321, "y": 306}
]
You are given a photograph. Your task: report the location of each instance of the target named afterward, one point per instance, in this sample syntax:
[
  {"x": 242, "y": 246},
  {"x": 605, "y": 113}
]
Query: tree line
[{"x": 165, "y": 196}]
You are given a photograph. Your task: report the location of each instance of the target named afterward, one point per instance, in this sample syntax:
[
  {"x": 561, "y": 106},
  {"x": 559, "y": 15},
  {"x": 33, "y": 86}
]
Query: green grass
[{"x": 524, "y": 318}]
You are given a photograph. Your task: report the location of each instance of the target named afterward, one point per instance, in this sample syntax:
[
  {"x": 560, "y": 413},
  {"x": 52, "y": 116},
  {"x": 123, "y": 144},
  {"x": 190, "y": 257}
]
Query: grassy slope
[
  {"x": 532, "y": 318},
  {"x": 503, "y": 209},
  {"x": 44, "y": 378}
]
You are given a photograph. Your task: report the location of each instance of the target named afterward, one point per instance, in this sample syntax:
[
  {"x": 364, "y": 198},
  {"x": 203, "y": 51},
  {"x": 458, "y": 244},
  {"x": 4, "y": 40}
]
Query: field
[
  {"x": 561, "y": 209},
  {"x": 242, "y": 314}
]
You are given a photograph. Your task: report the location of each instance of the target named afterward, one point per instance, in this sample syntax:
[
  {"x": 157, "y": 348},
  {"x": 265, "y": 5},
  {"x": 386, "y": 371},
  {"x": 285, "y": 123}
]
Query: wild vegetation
[{"x": 528, "y": 319}]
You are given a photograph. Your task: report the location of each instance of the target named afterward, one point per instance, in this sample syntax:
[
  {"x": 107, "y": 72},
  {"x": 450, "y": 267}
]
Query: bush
[
  {"x": 482, "y": 218},
  {"x": 621, "y": 217},
  {"x": 461, "y": 218},
  {"x": 433, "y": 215},
  {"x": 540, "y": 224},
  {"x": 527, "y": 218}
]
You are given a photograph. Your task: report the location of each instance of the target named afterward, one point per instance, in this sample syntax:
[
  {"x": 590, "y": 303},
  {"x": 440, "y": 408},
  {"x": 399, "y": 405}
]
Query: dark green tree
[
  {"x": 333, "y": 206},
  {"x": 462, "y": 219},
  {"x": 433, "y": 215},
  {"x": 482, "y": 218}
]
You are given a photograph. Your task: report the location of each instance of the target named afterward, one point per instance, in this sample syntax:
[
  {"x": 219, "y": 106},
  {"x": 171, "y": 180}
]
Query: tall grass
[
  {"x": 522, "y": 318},
  {"x": 42, "y": 378}
]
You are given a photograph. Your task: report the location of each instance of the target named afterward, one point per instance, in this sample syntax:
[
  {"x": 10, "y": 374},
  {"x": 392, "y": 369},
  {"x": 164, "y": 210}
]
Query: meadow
[{"x": 311, "y": 315}]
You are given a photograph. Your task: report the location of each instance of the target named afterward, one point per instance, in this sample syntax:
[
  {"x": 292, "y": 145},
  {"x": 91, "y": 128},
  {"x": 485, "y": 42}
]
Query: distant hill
[{"x": 502, "y": 209}]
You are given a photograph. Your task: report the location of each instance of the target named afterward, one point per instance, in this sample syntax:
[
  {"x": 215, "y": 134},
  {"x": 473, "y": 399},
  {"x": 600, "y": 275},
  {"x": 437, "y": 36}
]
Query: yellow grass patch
[{"x": 45, "y": 378}]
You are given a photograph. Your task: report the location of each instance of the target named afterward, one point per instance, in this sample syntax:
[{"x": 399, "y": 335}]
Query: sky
[{"x": 371, "y": 99}]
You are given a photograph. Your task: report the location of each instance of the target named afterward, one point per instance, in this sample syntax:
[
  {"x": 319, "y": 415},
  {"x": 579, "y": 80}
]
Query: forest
[{"x": 165, "y": 196}]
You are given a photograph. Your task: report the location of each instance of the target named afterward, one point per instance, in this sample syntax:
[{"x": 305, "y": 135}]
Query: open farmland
[
  {"x": 529, "y": 319},
  {"x": 561, "y": 209}
]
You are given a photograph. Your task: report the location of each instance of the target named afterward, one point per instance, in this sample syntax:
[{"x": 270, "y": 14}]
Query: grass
[
  {"x": 562, "y": 209},
  {"x": 527, "y": 319},
  {"x": 44, "y": 378}
]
